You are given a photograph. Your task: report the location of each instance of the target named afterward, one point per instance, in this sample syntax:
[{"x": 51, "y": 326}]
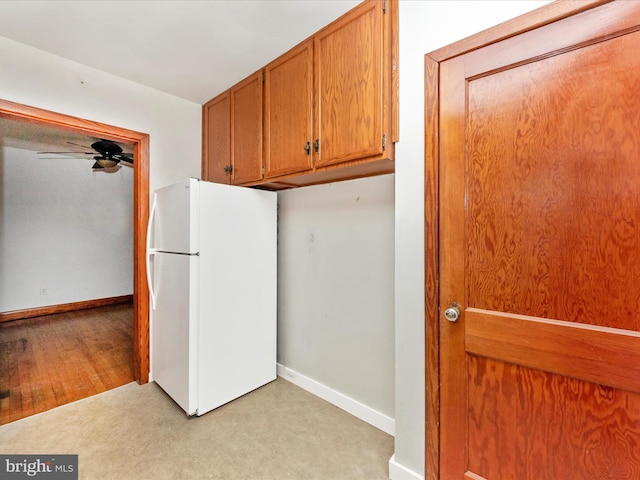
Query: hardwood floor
[{"x": 56, "y": 359}]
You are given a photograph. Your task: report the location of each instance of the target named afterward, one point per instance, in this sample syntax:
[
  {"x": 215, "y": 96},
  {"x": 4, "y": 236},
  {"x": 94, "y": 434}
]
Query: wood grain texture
[
  {"x": 539, "y": 244},
  {"x": 356, "y": 58},
  {"x": 216, "y": 148},
  {"x": 451, "y": 225},
  {"x": 141, "y": 362},
  {"x": 246, "y": 130},
  {"x": 472, "y": 476},
  {"x": 49, "y": 361},
  {"x": 332, "y": 173},
  {"x": 30, "y": 114},
  {"x": 432, "y": 280},
  {"x": 605, "y": 22},
  {"x": 602, "y": 355},
  {"x": 289, "y": 112},
  {"x": 537, "y": 154},
  {"x": 549, "y": 427},
  {"x": 140, "y": 142},
  {"x": 516, "y": 26},
  {"x": 349, "y": 86},
  {"x": 391, "y": 67},
  {"x": 65, "y": 307}
]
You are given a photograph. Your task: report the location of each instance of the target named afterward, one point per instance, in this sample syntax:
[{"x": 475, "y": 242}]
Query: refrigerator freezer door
[
  {"x": 174, "y": 328},
  {"x": 175, "y": 225},
  {"x": 238, "y": 284}
]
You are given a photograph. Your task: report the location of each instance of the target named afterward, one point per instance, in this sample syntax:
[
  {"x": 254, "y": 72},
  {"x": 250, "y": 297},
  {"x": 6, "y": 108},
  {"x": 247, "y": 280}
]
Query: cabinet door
[
  {"x": 217, "y": 139},
  {"x": 288, "y": 112},
  {"x": 349, "y": 86},
  {"x": 246, "y": 130}
]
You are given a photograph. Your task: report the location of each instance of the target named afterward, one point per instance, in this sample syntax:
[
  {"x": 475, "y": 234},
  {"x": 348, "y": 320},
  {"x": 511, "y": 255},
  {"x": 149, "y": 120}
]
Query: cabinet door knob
[
  {"x": 307, "y": 148},
  {"x": 316, "y": 145}
]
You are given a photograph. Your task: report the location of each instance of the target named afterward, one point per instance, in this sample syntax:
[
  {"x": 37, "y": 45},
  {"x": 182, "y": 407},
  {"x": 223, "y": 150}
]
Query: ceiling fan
[{"x": 110, "y": 154}]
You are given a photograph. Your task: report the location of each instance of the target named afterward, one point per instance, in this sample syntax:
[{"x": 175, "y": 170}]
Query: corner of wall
[
  {"x": 355, "y": 408},
  {"x": 398, "y": 471}
]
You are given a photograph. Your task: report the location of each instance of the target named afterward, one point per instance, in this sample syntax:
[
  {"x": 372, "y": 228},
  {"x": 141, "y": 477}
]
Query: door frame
[
  {"x": 542, "y": 16},
  {"x": 140, "y": 141}
]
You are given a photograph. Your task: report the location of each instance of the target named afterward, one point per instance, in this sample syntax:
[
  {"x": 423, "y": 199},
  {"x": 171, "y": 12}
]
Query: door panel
[
  {"x": 246, "y": 130},
  {"x": 349, "y": 86},
  {"x": 288, "y": 111},
  {"x": 553, "y": 186},
  {"x": 542, "y": 426},
  {"x": 539, "y": 221},
  {"x": 217, "y": 139}
]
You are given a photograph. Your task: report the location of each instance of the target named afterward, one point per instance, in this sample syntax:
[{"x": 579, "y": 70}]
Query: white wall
[
  {"x": 424, "y": 27},
  {"x": 335, "y": 287},
  {"x": 33, "y": 77},
  {"x": 37, "y": 78},
  {"x": 64, "y": 228}
]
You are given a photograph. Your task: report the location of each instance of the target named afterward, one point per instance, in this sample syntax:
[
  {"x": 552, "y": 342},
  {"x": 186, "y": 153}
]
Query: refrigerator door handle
[{"x": 150, "y": 252}]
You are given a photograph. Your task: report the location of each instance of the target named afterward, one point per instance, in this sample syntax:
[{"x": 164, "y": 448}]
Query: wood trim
[
  {"x": 26, "y": 113},
  {"x": 451, "y": 222},
  {"x": 473, "y": 476},
  {"x": 589, "y": 352},
  {"x": 431, "y": 239},
  {"x": 612, "y": 20},
  {"x": 141, "y": 361},
  {"x": 339, "y": 172},
  {"x": 529, "y": 21},
  {"x": 140, "y": 141},
  {"x": 392, "y": 28},
  {"x": 64, "y": 307},
  {"x": 204, "y": 159}
]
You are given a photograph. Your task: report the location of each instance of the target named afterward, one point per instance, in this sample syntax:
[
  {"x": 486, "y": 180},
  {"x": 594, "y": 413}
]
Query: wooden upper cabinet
[
  {"x": 246, "y": 130},
  {"x": 330, "y": 108},
  {"x": 349, "y": 90},
  {"x": 216, "y": 124},
  {"x": 288, "y": 133}
]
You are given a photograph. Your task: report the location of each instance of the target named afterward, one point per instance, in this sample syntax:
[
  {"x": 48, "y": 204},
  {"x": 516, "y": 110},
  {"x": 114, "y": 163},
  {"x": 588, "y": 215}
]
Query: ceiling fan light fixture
[{"x": 105, "y": 162}]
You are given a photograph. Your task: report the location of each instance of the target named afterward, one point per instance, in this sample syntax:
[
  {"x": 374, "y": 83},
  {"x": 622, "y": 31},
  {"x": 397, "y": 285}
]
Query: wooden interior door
[{"x": 539, "y": 245}]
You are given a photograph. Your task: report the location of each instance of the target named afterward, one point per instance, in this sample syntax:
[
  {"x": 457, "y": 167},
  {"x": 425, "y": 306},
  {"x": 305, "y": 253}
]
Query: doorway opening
[{"x": 140, "y": 142}]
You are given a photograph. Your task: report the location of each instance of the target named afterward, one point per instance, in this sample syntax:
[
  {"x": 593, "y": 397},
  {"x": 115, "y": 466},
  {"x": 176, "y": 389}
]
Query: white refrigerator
[{"x": 211, "y": 268}]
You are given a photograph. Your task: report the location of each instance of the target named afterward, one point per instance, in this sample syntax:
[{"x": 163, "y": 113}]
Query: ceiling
[
  {"x": 48, "y": 139},
  {"x": 191, "y": 49}
]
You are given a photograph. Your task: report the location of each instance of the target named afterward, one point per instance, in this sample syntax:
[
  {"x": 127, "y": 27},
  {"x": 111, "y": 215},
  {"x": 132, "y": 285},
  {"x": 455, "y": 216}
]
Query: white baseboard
[
  {"x": 400, "y": 472},
  {"x": 355, "y": 408}
]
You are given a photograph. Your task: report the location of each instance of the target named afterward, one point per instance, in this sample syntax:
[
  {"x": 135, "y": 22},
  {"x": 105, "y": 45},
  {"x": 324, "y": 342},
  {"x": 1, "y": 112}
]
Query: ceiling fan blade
[
  {"x": 77, "y": 153},
  {"x": 124, "y": 158},
  {"x": 78, "y": 145},
  {"x": 96, "y": 166}
]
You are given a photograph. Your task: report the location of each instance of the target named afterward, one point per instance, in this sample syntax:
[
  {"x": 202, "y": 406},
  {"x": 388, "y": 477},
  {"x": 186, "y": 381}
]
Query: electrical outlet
[{"x": 43, "y": 291}]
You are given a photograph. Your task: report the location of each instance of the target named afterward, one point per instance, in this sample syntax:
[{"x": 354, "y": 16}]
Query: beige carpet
[{"x": 136, "y": 432}]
